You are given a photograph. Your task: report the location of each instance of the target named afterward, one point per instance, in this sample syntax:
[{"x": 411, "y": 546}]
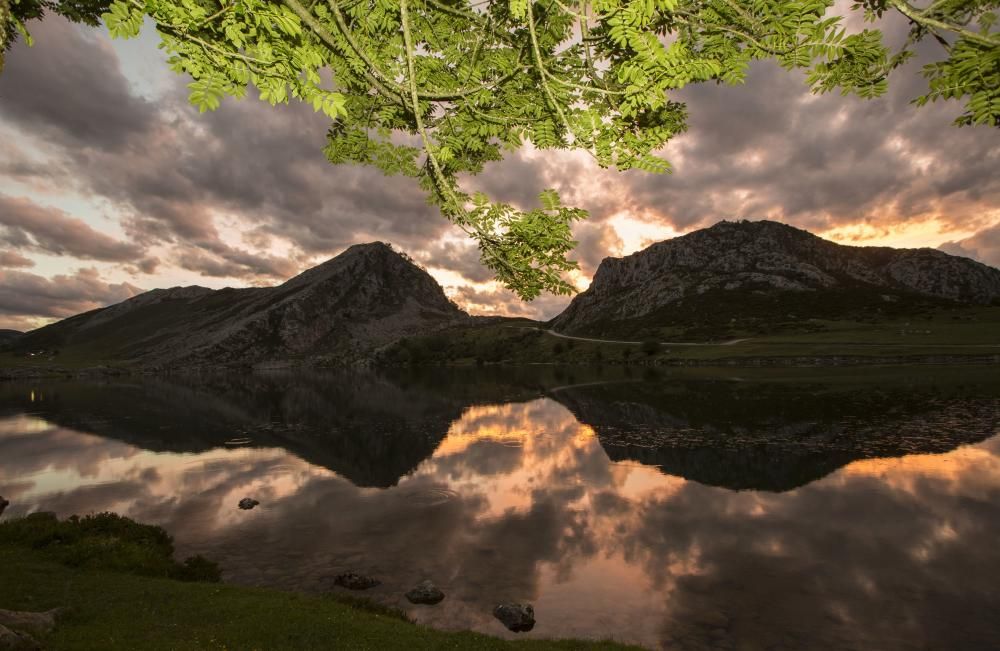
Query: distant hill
[
  {"x": 9, "y": 336},
  {"x": 746, "y": 277},
  {"x": 341, "y": 310}
]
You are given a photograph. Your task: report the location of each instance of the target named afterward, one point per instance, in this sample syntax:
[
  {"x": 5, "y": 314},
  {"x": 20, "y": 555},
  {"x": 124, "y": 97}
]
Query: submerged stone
[
  {"x": 248, "y": 503},
  {"x": 355, "y": 581},
  {"x": 425, "y": 592},
  {"x": 519, "y": 618}
]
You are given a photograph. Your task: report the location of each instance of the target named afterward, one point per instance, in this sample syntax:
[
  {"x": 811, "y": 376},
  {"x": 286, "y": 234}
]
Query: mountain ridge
[{"x": 371, "y": 304}]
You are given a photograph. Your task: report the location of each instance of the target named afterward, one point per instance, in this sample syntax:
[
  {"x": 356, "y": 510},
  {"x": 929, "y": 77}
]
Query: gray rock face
[
  {"x": 519, "y": 618},
  {"x": 354, "y": 581},
  {"x": 768, "y": 257},
  {"x": 248, "y": 503},
  {"x": 339, "y": 311},
  {"x": 425, "y": 592}
]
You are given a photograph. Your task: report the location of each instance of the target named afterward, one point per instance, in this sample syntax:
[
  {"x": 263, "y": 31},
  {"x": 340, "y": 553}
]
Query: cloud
[
  {"x": 71, "y": 89},
  {"x": 13, "y": 260},
  {"x": 492, "y": 299},
  {"x": 461, "y": 258},
  {"x": 25, "y": 294},
  {"x": 25, "y": 224},
  {"x": 595, "y": 241},
  {"x": 983, "y": 246}
]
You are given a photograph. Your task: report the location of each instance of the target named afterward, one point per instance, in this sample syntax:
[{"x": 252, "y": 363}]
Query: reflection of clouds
[
  {"x": 30, "y": 450},
  {"x": 521, "y": 502}
]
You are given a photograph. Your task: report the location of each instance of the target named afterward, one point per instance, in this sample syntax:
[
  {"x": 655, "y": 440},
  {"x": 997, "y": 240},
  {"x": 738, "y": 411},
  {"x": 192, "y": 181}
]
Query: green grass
[
  {"x": 951, "y": 331},
  {"x": 112, "y": 610},
  {"x": 113, "y": 575}
]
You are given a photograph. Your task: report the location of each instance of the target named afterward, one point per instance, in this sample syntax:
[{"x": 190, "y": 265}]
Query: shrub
[
  {"x": 650, "y": 347},
  {"x": 106, "y": 541}
]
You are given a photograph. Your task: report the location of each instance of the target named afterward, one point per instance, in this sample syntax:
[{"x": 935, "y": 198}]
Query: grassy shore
[
  {"x": 942, "y": 333},
  {"x": 45, "y": 565}
]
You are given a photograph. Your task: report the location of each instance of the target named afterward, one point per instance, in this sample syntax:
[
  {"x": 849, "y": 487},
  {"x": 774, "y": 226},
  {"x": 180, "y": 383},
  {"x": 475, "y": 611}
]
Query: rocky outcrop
[
  {"x": 247, "y": 503},
  {"x": 743, "y": 258},
  {"x": 337, "y": 312}
]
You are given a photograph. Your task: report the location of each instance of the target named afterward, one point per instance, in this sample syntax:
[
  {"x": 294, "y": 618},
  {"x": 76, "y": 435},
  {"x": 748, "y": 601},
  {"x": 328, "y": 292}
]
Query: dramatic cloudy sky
[{"x": 110, "y": 184}]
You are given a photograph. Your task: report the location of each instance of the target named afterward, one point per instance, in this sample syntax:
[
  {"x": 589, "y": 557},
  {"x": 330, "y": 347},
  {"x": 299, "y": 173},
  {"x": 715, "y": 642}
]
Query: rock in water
[
  {"x": 425, "y": 593},
  {"x": 517, "y": 617},
  {"x": 354, "y": 581},
  {"x": 248, "y": 503}
]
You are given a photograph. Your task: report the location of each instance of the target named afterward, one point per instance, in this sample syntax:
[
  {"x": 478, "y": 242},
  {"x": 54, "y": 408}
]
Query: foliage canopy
[{"x": 435, "y": 89}]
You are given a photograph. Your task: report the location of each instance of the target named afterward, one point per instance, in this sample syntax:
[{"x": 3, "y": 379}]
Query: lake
[{"x": 690, "y": 509}]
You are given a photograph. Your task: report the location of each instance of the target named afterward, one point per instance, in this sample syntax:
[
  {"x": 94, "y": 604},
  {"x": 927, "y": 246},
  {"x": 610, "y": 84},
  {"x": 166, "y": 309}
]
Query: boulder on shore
[
  {"x": 355, "y": 581},
  {"x": 3, "y": 504},
  {"x": 519, "y": 618},
  {"x": 425, "y": 592}
]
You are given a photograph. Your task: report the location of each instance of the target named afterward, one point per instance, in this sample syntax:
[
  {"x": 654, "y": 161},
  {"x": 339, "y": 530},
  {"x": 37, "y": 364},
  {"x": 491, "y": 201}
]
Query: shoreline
[{"x": 785, "y": 361}]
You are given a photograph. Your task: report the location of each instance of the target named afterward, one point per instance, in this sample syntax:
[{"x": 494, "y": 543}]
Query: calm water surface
[{"x": 857, "y": 509}]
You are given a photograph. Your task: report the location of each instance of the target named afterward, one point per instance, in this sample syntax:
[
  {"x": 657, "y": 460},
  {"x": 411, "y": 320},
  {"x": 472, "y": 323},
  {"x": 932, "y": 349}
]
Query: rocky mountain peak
[
  {"x": 366, "y": 297},
  {"x": 736, "y": 260}
]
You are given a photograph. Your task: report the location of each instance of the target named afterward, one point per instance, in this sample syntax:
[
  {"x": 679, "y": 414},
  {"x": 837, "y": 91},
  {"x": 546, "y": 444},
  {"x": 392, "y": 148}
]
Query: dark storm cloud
[
  {"x": 70, "y": 88},
  {"x": 26, "y": 225},
  {"x": 820, "y": 162},
  {"x": 27, "y": 294},
  {"x": 771, "y": 149},
  {"x": 595, "y": 241},
  {"x": 460, "y": 258},
  {"x": 175, "y": 173},
  {"x": 983, "y": 246}
]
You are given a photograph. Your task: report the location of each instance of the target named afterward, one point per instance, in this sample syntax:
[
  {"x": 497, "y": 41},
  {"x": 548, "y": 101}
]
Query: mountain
[
  {"x": 742, "y": 276},
  {"x": 341, "y": 310}
]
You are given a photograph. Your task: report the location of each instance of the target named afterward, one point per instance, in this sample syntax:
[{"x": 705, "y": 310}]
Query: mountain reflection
[{"x": 602, "y": 500}]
